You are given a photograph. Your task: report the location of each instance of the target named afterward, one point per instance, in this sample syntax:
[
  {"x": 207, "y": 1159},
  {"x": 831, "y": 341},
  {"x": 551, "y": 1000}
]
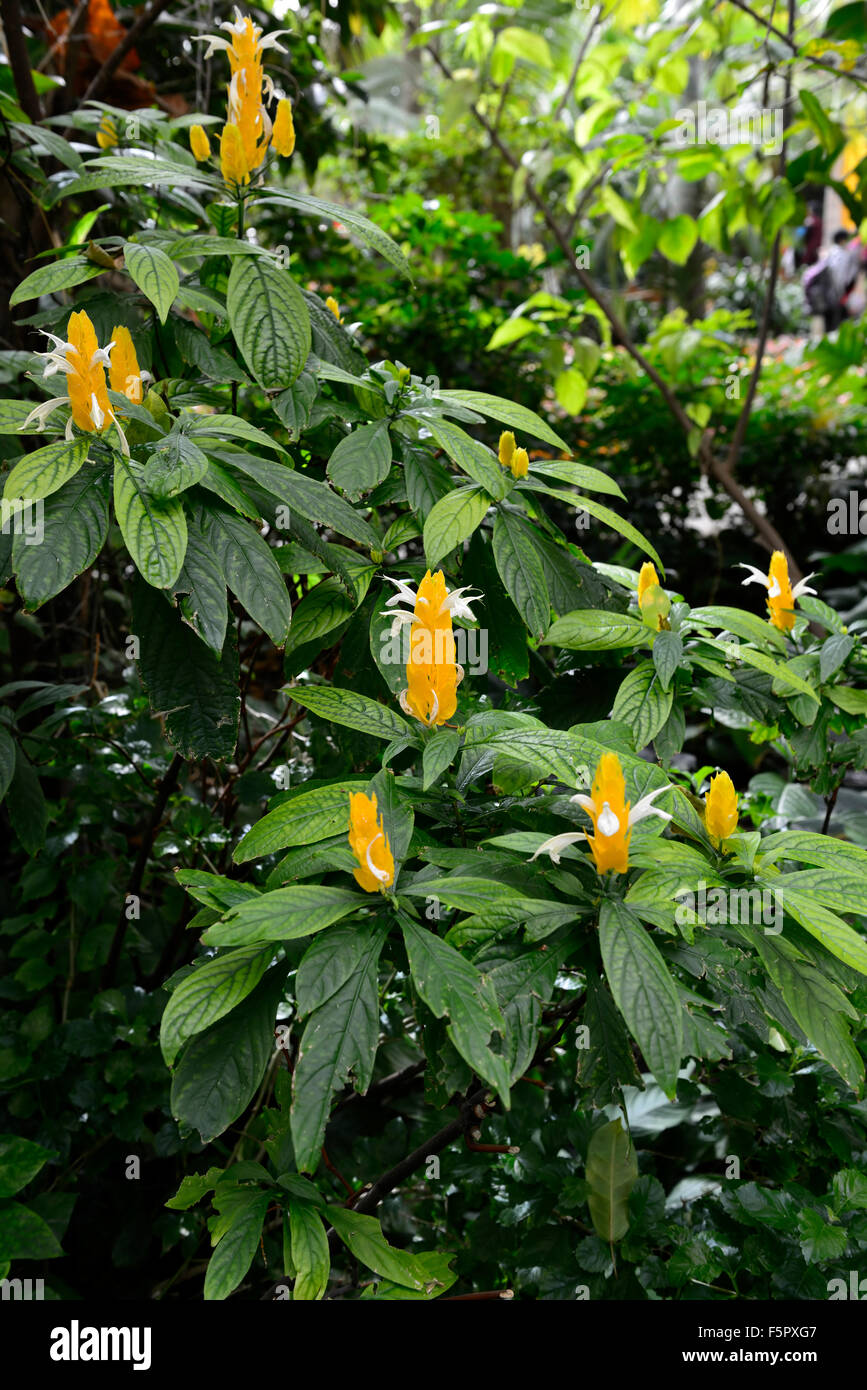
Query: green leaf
[
  {"x": 439, "y": 754},
  {"x": 302, "y": 820},
  {"x": 196, "y": 691},
  {"x": 819, "y": 1239},
  {"x": 779, "y": 670},
  {"x": 352, "y": 710},
  {"x": 616, "y": 523},
  {"x": 517, "y": 417},
  {"x": 201, "y": 588},
  {"x": 452, "y": 987},
  {"x": 525, "y": 44},
  {"x": 155, "y": 531},
  {"x": 340, "y": 1038},
  {"x": 7, "y": 760},
  {"x": 367, "y": 231},
  {"x": 284, "y": 914},
  {"x": 50, "y": 279},
  {"x": 250, "y": 570},
  {"x": 75, "y": 527},
  {"x": 331, "y": 959},
  {"x": 221, "y": 1069},
  {"x": 511, "y": 330},
  {"x": 677, "y": 239},
  {"x": 310, "y": 1253},
  {"x": 293, "y": 406},
  {"x": 643, "y": 703},
  {"x": 20, "y": 1160},
  {"x": 848, "y": 699},
  {"x": 612, "y": 1171},
  {"x": 135, "y": 171},
  {"x": 362, "y": 1235},
  {"x": 361, "y": 460},
  {"x": 570, "y": 388},
  {"x": 154, "y": 274},
  {"x": 269, "y": 320},
  {"x": 316, "y": 501},
  {"x": 230, "y": 427},
  {"x": 606, "y": 1064},
  {"x": 667, "y": 655},
  {"x": 473, "y": 458},
  {"x": 25, "y": 804},
  {"x": 834, "y": 934},
  {"x": 577, "y": 473},
  {"x": 818, "y": 1007},
  {"x": 451, "y": 520},
  {"x": 237, "y": 1246},
  {"x": 521, "y": 571},
  {"x": 208, "y": 993},
  {"x": 25, "y": 1236},
  {"x": 43, "y": 472},
  {"x": 833, "y": 653},
  {"x": 596, "y": 630},
  {"x": 173, "y": 466},
  {"x": 743, "y": 624},
  {"x": 810, "y": 848},
  {"x": 643, "y": 991}
]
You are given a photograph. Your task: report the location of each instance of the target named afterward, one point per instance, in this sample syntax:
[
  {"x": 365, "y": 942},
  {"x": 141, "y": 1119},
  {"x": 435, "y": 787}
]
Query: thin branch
[
  {"x": 19, "y": 62},
  {"x": 789, "y": 41},
  {"x": 581, "y": 55}
]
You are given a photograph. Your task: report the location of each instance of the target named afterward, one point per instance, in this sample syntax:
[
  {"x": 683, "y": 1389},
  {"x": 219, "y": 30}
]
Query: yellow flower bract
[
  {"x": 369, "y": 843},
  {"x": 721, "y": 808}
]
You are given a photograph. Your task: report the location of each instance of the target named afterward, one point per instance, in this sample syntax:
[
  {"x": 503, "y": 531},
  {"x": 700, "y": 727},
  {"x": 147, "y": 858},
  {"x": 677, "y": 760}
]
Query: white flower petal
[
  {"x": 585, "y": 802},
  {"x": 755, "y": 577},
  {"x": 645, "y": 807},
  {"x": 801, "y": 586},
  {"x": 380, "y": 874},
  {"x": 607, "y": 824},
  {"x": 557, "y": 844}
]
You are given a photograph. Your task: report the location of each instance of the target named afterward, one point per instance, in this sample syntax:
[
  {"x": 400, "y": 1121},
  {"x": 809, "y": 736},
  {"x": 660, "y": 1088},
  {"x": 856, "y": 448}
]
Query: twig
[{"x": 19, "y": 62}]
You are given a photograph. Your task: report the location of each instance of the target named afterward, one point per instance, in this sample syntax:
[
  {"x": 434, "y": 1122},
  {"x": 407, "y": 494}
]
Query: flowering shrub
[{"x": 483, "y": 852}]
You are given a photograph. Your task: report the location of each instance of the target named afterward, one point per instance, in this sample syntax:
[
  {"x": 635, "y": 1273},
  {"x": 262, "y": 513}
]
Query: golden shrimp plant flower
[
  {"x": 369, "y": 843},
  {"x": 653, "y": 601},
  {"x": 332, "y": 304},
  {"x": 612, "y": 818},
  {"x": 721, "y": 808},
  {"x": 432, "y": 672},
  {"x": 233, "y": 164},
  {"x": 83, "y": 362},
  {"x": 781, "y": 594},
  {"x": 283, "y": 133},
  {"x": 249, "y": 88},
  {"x": 124, "y": 373},
  {"x": 199, "y": 143},
  {"x": 516, "y": 460}
]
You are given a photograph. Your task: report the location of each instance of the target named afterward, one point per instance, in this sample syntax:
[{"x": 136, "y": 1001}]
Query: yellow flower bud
[
  {"x": 199, "y": 143},
  {"x": 331, "y": 303},
  {"x": 233, "y": 164},
  {"x": 721, "y": 808},
  {"x": 283, "y": 131},
  {"x": 107, "y": 136},
  {"x": 507, "y": 448},
  {"x": 520, "y": 463}
]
